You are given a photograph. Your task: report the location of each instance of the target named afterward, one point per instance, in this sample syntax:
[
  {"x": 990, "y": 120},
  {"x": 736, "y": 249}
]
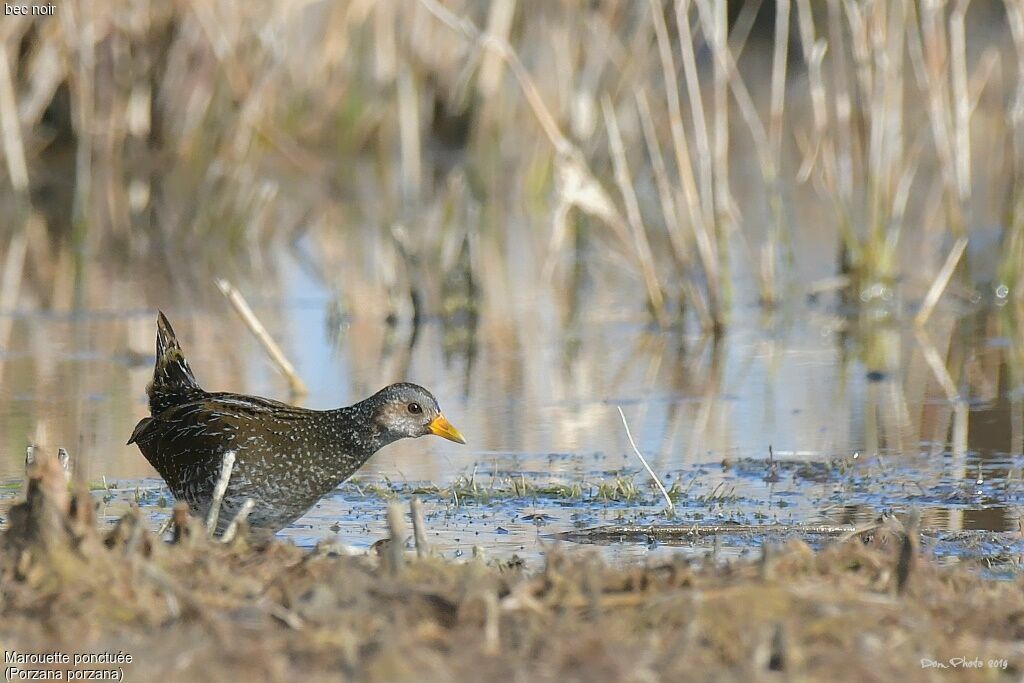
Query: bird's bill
[{"x": 440, "y": 426}]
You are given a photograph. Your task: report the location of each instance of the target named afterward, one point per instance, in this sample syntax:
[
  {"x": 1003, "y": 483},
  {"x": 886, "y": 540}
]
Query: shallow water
[{"x": 856, "y": 415}]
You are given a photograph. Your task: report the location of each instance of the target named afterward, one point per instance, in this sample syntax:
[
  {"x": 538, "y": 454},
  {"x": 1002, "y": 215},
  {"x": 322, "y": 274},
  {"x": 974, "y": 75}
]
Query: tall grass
[{"x": 682, "y": 148}]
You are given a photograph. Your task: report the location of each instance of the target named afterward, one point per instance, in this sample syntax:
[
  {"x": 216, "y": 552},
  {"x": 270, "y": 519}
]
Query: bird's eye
[{"x": 415, "y": 408}]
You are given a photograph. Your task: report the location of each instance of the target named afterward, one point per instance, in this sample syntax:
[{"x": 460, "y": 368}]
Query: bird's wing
[{"x": 209, "y": 426}]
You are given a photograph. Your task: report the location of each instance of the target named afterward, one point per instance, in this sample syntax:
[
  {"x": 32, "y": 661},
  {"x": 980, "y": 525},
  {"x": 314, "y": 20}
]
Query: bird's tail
[{"x": 173, "y": 381}]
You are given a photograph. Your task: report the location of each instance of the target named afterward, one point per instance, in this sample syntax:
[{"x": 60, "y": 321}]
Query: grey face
[{"x": 406, "y": 410}]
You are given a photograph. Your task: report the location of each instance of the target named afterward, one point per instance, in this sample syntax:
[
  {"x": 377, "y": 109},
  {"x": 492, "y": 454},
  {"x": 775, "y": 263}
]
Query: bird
[{"x": 286, "y": 458}]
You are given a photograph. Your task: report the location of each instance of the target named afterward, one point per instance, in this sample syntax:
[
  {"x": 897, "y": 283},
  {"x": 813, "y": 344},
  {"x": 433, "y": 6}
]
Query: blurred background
[{"x": 792, "y": 223}]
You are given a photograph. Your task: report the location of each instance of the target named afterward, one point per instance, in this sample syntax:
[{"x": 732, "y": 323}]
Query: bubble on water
[{"x": 1002, "y": 291}]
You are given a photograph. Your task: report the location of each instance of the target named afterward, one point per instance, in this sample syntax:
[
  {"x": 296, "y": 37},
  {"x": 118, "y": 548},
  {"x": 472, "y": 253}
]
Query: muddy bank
[{"x": 202, "y": 609}]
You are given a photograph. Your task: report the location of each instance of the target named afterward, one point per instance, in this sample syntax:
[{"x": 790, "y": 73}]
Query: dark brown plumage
[{"x": 286, "y": 458}]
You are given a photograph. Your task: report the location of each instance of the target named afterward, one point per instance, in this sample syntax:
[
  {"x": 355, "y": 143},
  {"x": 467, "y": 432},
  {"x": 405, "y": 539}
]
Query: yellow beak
[{"x": 442, "y": 427}]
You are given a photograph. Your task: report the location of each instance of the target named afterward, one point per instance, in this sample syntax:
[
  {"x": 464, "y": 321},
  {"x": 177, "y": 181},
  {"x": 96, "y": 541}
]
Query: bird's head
[{"x": 408, "y": 410}]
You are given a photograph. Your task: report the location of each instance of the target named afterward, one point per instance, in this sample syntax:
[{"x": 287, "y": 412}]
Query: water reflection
[{"x": 865, "y": 415}]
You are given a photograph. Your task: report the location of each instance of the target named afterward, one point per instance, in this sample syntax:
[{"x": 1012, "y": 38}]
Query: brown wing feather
[{"x": 205, "y": 428}]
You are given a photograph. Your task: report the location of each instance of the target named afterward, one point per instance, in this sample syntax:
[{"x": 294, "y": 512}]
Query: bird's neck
[
  {"x": 341, "y": 441},
  {"x": 360, "y": 433}
]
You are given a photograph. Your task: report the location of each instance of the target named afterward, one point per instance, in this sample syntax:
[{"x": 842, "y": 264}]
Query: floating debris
[{"x": 668, "y": 533}]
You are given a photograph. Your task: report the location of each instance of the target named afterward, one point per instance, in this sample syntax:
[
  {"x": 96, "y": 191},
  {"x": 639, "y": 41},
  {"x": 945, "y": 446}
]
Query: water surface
[{"x": 860, "y": 422}]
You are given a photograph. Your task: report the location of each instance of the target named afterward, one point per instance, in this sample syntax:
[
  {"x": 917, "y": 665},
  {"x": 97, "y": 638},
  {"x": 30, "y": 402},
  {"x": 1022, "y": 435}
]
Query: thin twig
[
  {"x": 419, "y": 528},
  {"x": 908, "y": 551},
  {"x": 240, "y": 516},
  {"x": 704, "y": 159},
  {"x": 165, "y": 527},
  {"x": 492, "y": 637},
  {"x": 295, "y": 383},
  {"x": 394, "y": 555},
  {"x": 657, "y": 481},
  {"x": 226, "y": 465},
  {"x": 940, "y": 283},
  {"x": 961, "y": 99},
  {"x": 10, "y": 285},
  {"x": 13, "y": 144},
  {"x": 938, "y": 368},
  {"x": 410, "y": 144}
]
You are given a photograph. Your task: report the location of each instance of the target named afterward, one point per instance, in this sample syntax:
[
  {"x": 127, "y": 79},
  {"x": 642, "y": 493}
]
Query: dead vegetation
[
  {"x": 684, "y": 142},
  {"x": 198, "y": 608}
]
